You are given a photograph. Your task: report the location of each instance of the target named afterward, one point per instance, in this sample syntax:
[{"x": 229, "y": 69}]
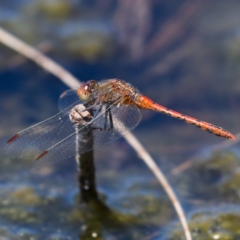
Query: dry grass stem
[
  {"x": 39, "y": 58},
  {"x": 142, "y": 153}
]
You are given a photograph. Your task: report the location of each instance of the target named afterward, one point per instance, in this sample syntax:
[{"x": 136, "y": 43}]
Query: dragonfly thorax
[{"x": 119, "y": 92}]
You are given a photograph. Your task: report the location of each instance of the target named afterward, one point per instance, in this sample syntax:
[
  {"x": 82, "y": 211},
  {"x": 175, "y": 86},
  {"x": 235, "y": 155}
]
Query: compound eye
[
  {"x": 93, "y": 85},
  {"x": 84, "y": 92}
]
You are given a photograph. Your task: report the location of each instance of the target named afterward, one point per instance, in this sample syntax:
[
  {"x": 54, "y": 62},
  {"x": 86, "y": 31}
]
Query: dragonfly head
[{"x": 87, "y": 90}]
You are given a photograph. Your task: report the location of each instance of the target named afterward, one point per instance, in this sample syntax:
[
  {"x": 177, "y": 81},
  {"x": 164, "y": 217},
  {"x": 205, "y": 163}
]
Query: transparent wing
[
  {"x": 31, "y": 142},
  {"x": 98, "y": 132},
  {"x": 56, "y": 138}
]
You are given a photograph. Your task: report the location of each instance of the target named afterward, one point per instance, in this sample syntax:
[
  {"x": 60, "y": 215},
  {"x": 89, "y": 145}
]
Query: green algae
[
  {"x": 21, "y": 235},
  {"x": 24, "y": 206},
  {"x": 53, "y": 9},
  {"x": 26, "y": 196},
  {"x": 25, "y": 30},
  {"x": 132, "y": 211},
  {"x": 18, "y": 205},
  {"x": 90, "y": 44},
  {"x": 230, "y": 187},
  {"x": 212, "y": 178},
  {"x": 78, "y": 33},
  {"x": 211, "y": 181},
  {"x": 222, "y": 226}
]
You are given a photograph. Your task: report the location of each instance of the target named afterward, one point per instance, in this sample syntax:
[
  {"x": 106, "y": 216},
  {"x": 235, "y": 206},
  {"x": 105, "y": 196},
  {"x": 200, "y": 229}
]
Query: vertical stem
[{"x": 86, "y": 169}]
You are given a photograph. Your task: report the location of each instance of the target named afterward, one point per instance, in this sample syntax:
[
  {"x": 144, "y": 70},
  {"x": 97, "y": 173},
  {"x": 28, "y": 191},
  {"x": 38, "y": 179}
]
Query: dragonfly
[{"x": 97, "y": 113}]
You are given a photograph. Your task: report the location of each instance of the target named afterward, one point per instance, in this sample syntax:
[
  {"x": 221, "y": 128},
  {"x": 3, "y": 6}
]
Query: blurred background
[{"x": 184, "y": 55}]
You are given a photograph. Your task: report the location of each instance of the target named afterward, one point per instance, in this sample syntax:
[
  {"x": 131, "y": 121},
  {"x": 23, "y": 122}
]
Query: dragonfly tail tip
[{"x": 232, "y": 137}]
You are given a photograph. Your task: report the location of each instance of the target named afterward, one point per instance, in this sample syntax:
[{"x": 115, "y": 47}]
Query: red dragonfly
[{"x": 95, "y": 114}]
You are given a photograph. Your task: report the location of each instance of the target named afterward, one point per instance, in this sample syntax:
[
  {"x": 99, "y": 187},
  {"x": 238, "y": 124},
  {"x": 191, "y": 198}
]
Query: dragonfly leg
[
  {"x": 97, "y": 111},
  {"x": 108, "y": 123},
  {"x": 110, "y": 119},
  {"x": 106, "y": 118},
  {"x": 109, "y": 115}
]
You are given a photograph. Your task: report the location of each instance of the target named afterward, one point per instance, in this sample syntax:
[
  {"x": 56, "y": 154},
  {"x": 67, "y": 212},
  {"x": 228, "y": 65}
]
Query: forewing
[
  {"x": 63, "y": 150},
  {"x": 81, "y": 139},
  {"x": 31, "y": 142}
]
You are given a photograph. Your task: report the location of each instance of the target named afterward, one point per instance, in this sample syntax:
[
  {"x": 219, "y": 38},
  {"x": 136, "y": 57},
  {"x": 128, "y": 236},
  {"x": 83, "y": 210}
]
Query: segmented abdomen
[{"x": 146, "y": 103}]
